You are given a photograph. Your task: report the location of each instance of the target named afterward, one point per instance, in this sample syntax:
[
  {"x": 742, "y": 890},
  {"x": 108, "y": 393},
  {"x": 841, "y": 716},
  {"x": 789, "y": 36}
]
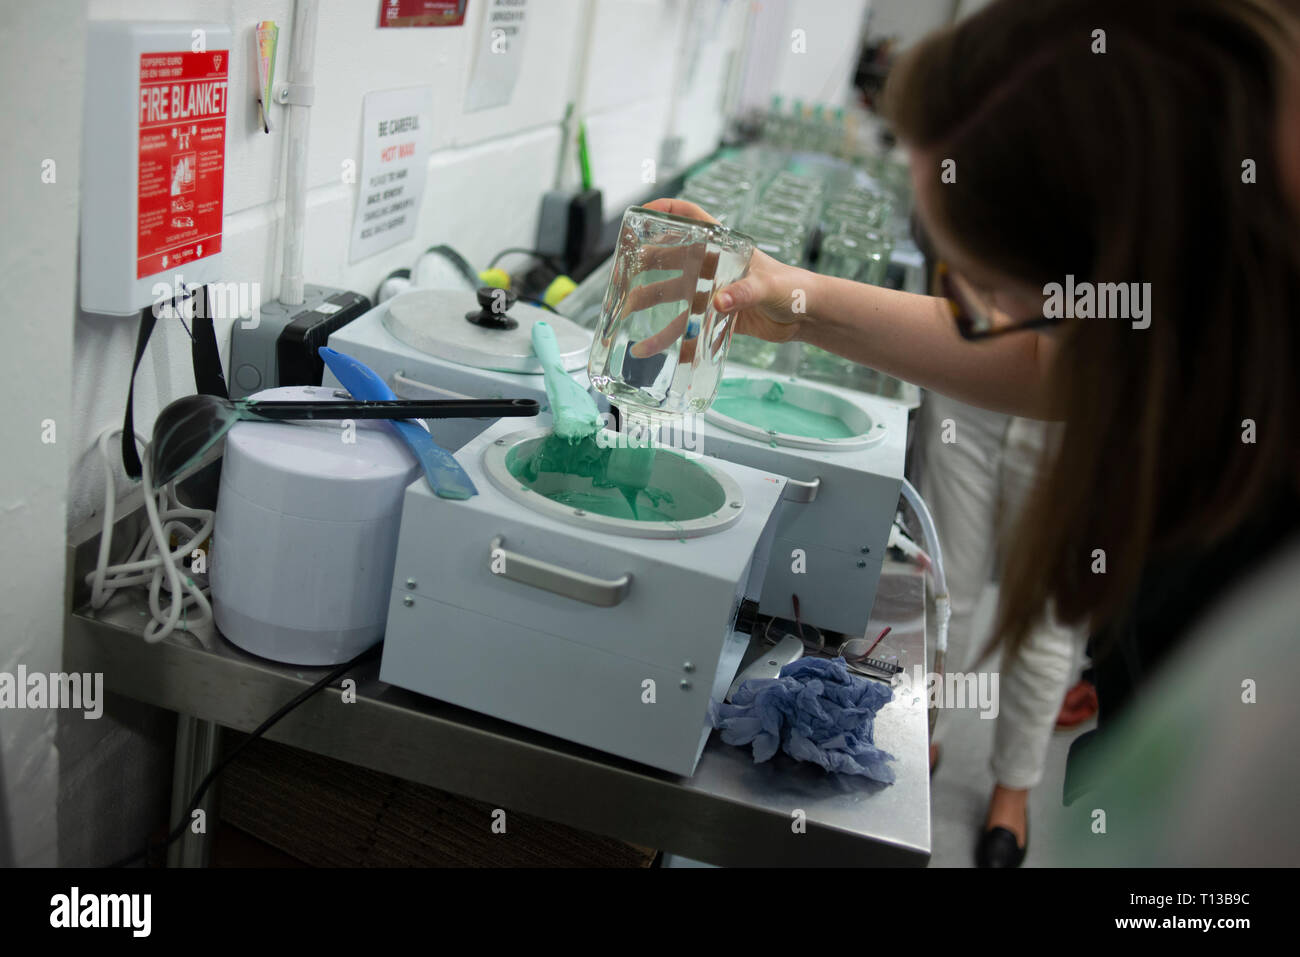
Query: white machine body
[
  {"x": 444, "y": 369},
  {"x": 306, "y": 533},
  {"x": 611, "y": 641},
  {"x": 833, "y": 529}
]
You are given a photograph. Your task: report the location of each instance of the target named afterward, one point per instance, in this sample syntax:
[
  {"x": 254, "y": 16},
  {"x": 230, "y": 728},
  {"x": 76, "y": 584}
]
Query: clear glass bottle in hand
[{"x": 660, "y": 346}]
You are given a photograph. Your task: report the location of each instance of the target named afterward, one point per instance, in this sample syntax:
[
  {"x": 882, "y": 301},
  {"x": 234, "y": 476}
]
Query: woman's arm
[
  {"x": 914, "y": 338},
  {"x": 909, "y": 336}
]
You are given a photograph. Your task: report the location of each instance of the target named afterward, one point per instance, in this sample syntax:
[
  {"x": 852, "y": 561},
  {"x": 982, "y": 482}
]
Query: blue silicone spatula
[{"x": 445, "y": 476}]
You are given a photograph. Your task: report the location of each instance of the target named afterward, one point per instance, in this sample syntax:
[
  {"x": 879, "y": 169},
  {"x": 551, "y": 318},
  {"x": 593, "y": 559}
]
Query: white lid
[
  {"x": 433, "y": 321},
  {"x": 306, "y": 469}
]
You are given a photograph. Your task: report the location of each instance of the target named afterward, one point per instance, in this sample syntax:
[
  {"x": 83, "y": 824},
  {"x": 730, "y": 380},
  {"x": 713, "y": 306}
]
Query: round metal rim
[
  {"x": 494, "y": 465},
  {"x": 863, "y": 440}
]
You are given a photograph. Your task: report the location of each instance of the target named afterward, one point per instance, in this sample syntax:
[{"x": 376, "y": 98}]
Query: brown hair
[{"x": 1127, "y": 166}]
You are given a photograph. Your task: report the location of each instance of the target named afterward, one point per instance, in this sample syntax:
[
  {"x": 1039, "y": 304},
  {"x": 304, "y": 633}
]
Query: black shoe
[{"x": 998, "y": 848}]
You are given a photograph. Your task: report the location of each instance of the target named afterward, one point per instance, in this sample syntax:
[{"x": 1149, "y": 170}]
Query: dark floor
[{"x": 232, "y": 847}]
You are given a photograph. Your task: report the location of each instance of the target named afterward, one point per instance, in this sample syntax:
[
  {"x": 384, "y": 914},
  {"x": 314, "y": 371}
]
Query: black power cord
[
  {"x": 458, "y": 261},
  {"x": 540, "y": 305},
  {"x": 179, "y": 829},
  {"x": 543, "y": 257}
]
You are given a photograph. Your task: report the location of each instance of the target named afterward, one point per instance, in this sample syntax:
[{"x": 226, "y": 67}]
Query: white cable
[
  {"x": 302, "y": 56},
  {"x": 942, "y": 604},
  {"x": 151, "y": 561},
  {"x": 943, "y": 607},
  {"x": 900, "y": 540}
]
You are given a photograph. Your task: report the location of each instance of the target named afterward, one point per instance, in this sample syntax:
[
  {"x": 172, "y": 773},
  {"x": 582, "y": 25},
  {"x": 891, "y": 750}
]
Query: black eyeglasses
[{"x": 973, "y": 313}]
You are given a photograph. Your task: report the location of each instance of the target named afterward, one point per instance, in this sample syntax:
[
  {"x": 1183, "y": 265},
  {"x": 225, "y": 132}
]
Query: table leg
[{"x": 197, "y": 746}]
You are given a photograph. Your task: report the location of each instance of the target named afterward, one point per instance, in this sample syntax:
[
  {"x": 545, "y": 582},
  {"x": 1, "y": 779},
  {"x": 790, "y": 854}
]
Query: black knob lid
[{"x": 494, "y": 304}]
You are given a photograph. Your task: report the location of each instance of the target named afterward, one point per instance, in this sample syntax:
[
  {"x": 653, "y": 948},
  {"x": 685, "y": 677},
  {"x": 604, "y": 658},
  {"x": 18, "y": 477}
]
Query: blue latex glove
[{"x": 817, "y": 710}]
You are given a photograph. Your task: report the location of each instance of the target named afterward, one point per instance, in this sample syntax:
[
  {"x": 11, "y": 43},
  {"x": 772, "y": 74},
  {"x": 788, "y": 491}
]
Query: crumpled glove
[{"x": 816, "y": 710}]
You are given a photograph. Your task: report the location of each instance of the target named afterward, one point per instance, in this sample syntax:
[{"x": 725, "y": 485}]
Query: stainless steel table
[{"x": 731, "y": 812}]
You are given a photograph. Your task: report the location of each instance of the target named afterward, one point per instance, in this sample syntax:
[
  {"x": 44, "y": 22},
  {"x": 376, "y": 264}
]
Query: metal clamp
[
  {"x": 404, "y": 386},
  {"x": 803, "y": 492},
  {"x": 558, "y": 580},
  {"x": 295, "y": 94}
]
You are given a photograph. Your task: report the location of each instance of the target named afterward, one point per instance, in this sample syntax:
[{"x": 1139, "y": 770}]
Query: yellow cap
[
  {"x": 496, "y": 278},
  {"x": 560, "y": 287}
]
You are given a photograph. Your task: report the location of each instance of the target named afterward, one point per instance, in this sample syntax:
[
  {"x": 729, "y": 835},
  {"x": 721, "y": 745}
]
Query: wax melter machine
[
  {"x": 843, "y": 453},
  {"x": 552, "y": 601},
  {"x": 441, "y": 344}
]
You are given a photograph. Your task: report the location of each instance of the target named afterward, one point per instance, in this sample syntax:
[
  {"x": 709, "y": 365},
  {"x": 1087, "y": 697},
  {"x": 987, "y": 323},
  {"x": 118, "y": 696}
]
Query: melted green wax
[
  {"x": 773, "y": 413},
  {"x": 614, "y": 482}
]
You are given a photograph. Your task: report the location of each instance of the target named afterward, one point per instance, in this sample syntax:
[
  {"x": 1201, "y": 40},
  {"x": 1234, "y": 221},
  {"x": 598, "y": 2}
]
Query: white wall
[
  {"x": 486, "y": 175},
  {"x": 38, "y": 256},
  {"x": 654, "y": 67},
  {"x": 817, "y": 64},
  {"x": 823, "y": 72},
  {"x": 713, "y": 38}
]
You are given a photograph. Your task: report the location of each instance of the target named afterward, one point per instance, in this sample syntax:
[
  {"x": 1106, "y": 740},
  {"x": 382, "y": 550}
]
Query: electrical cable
[
  {"x": 800, "y": 630},
  {"x": 942, "y": 603},
  {"x": 176, "y": 832},
  {"x": 152, "y": 563},
  {"x": 524, "y": 251},
  {"x": 418, "y": 275},
  {"x": 843, "y": 651},
  {"x": 798, "y": 618},
  {"x": 879, "y": 638},
  {"x": 541, "y": 305}
]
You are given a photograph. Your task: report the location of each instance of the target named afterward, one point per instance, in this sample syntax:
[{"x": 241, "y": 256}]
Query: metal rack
[{"x": 730, "y": 812}]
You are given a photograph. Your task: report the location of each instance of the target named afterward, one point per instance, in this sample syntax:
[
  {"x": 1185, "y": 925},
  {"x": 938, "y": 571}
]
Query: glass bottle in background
[
  {"x": 772, "y": 122},
  {"x": 843, "y": 256},
  {"x": 796, "y": 127},
  {"x": 757, "y": 353}
]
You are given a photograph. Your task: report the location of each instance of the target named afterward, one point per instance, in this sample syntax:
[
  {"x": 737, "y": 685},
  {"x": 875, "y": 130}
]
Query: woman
[
  {"x": 975, "y": 468},
  {"x": 1127, "y": 153}
]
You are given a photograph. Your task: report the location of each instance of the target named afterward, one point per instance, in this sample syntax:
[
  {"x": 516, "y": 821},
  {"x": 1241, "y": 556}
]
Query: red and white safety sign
[{"x": 182, "y": 119}]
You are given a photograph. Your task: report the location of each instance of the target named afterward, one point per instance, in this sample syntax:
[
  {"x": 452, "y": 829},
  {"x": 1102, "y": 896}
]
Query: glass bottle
[{"x": 660, "y": 346}]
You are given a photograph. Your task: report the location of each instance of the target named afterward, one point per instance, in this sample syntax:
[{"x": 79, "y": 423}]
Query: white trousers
[{"x": 976, "y": 471}]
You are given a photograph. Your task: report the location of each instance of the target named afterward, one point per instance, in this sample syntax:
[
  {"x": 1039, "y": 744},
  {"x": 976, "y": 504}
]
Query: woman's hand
[{"x": 770, "y": 302}]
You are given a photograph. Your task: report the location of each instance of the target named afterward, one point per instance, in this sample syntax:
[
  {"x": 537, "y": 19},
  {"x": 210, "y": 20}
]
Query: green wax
[
  {"x": 614, "y": 482},
  {"x": 773, "y": 413}
]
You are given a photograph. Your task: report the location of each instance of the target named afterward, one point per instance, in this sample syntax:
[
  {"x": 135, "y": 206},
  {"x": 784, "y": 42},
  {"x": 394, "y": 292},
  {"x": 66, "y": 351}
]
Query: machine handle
[
  {"x": 401, "y": 382},
  {"x": 802, "y": 492},
  {"x": 554, "y": 578}
]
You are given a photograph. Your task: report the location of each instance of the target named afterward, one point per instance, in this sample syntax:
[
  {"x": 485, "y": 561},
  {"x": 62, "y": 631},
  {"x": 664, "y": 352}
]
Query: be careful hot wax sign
[{"x": 395, "y": 156}]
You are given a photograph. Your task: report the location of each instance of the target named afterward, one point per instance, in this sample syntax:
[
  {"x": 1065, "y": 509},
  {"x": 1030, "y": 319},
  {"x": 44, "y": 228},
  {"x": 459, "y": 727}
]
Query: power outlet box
[
  {"x": 280, "y": 348},
  {"x": 570, "y": 225}
]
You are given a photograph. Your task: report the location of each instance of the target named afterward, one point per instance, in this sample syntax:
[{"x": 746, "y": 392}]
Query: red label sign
[
  {"x": 421, "y": 13},
  {"x": 182, "y": 158}
]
